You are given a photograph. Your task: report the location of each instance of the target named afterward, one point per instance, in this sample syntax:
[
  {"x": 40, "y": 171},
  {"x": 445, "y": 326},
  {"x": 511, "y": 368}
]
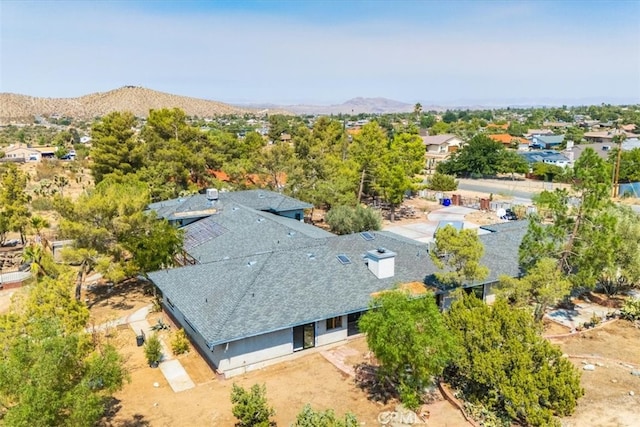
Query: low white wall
[
  {"x": 253, "y": 352},
  {"x": 324, "y": 336}
]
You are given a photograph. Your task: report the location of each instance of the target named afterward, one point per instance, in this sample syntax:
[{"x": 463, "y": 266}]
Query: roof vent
[
  {"x": 261, "y": 195},
  {"x": 311, "y": 256},
  {"x": 251, "y": 263},
  {"x": 212, "y": 194},
  {"x": 291, "y": 233},
  {"x": 259, "y": 219},
  {"x": 381, "y": 250}
]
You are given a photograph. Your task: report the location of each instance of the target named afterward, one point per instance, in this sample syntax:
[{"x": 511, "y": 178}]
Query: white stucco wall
[
  {"x": 252, "y": 353},
  {"x": 324, "y": 336}
]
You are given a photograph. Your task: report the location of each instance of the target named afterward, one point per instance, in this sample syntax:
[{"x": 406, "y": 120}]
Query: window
[{"x": 334, "y": 323}]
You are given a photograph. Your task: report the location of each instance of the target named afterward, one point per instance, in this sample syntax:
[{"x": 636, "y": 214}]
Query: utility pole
[{"x": 619, "y": 138}]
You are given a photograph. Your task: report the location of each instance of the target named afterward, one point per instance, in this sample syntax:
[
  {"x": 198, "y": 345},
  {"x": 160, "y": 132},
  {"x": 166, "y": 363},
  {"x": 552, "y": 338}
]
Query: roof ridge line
[{"x": 235, "y": 307}]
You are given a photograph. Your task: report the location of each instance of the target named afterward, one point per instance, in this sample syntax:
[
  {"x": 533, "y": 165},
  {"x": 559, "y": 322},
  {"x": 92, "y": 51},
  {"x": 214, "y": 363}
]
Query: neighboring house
[
  {"x": 533, "y": 132},
  {"x": 546, "y": 142},
  {"x": 265, "y": 286},
  {"x": 555, "y": 158},
  {"x": 22, "y": 152},
  {"x": 606, "y": 136},
  {"x": 602, "y": 149},
  {"x": 439, "y": 147},
  {"x": 508, "y": 140},
  {"x": 47, "y": 152}
]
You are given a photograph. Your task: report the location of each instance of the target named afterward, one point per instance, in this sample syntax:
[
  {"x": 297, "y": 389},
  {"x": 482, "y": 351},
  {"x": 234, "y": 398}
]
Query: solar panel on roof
[
  {"x": 201, "y": 232},
  {"x": 344, "y": 259},
  {"x": 367, "y": 236}
]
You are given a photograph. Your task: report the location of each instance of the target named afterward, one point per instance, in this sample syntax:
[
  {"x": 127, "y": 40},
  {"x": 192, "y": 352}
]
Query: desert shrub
[
  {"x": 179, "y": 342},
  {"x": 47, "y": 169},
  {"x": 346, "y": 220},
  {"x": 508, "y": 367},
  {"x": 310, "y": 418},
  {"x": 153, "y": 349},
  {"x": 41, "y": 204},
  {"x": 250, "y": 407},
  {"x": 442, "y": 182},
  {"x": 631, "y": 309}
]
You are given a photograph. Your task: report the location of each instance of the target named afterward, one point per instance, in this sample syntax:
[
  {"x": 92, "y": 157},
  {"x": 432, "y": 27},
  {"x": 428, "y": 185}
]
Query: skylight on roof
[
  {"x": 367, "y": 236},
  {"x": 343, "y": 259}
]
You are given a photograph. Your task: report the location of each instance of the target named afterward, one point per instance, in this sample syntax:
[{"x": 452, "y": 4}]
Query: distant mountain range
[
  {"x": 138, "y": 100},
  {"x": 352, "y": 106}
]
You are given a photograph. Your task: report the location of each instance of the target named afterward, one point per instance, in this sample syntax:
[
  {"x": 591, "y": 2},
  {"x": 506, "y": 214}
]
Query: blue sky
[{"x": 325, "y": 52}]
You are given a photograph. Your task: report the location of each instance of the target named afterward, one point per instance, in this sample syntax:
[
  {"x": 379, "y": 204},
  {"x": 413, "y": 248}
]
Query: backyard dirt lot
[{"x": 613, "y": 348}]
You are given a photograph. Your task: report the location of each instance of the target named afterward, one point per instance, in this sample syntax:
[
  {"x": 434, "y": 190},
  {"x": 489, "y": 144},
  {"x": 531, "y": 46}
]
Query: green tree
[
  {"x": 310, "y": 418},
  {"x": 609, "y": 248},
  {"x": 14, "y": 200},
  {"x": 114, "y": 146},
  {"x": 546, "y": 172},
  {"x": 517, "y": 129},
  {"x": 450, "y": 117},
  {"x": 410, "y": 339},
  {"x": 346, "y": 220},
  {"x": 427, "y": 121},
  {"x": 574, "y": 134},
  {"x": 37, "y": 223},
  {"x": 459, "y": 252},
  {"x": 153, "y": 350},
  {"x": 396, "y": 165},
  {"x": 439, "y": 128},
  {"x": 569, "y": 218},
  {"x": 544, "y": 285},
  {"x": 111, "y": 220},
  {"x": 507, "y": 366},
  {"x": 278, "y": 124},
  {"x": 479, "y": 157},
  {"x": 442, "y": 182},
  {"x": 511, "y": 162},
  {"x": 250, "y": 407},
  {"x": 629, "y": 166},
  {"x": 51, "y": 371}
]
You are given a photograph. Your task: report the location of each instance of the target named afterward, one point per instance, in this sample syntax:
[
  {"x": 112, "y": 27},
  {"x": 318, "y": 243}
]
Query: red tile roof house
[{"x": 264, "y": 286}]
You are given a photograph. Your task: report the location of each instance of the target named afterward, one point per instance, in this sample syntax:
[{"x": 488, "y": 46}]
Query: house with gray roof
[
  {"x": 550, "y": 157},
  {"x": 265, "y": 286},
  {"x": 546, "y": 141}
]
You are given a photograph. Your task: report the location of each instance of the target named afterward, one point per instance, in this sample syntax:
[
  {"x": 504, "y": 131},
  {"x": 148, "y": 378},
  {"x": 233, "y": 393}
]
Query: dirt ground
[
  {"x": 615, "y": 351},
  {"x": 290, "y": 385}
]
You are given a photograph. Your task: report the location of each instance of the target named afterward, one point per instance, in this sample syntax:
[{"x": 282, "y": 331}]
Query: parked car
[{"x": 10, "y": 243}]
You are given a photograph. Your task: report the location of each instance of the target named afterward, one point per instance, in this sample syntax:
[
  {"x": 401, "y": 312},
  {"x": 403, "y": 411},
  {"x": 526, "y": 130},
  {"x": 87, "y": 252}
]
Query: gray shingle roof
[
  {"x": 197, "y": 205},
  {"x": 245, "y": 231},
  {"x": 231, "y": 299}
]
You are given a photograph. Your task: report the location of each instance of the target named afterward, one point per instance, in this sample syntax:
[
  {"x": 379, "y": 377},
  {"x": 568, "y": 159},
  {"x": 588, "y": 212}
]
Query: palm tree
[
  {"x": 34, "y": 255},
  {"x": 38, "y": 223}
]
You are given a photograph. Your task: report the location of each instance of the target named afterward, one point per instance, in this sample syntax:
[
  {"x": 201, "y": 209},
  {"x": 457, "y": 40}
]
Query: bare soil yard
[{"x": 290, "y": 385}]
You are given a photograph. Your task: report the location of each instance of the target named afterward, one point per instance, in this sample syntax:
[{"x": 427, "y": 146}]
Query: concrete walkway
[
  {"x": 337, "y": 357},
  {"x": 424, "y": 231},
  {"x": 171, "y": 368}
]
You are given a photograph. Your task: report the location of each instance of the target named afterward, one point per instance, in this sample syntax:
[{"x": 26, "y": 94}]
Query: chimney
[
  {"x": 212, "y": 194},
  {"x": 381, "y": 262}
]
